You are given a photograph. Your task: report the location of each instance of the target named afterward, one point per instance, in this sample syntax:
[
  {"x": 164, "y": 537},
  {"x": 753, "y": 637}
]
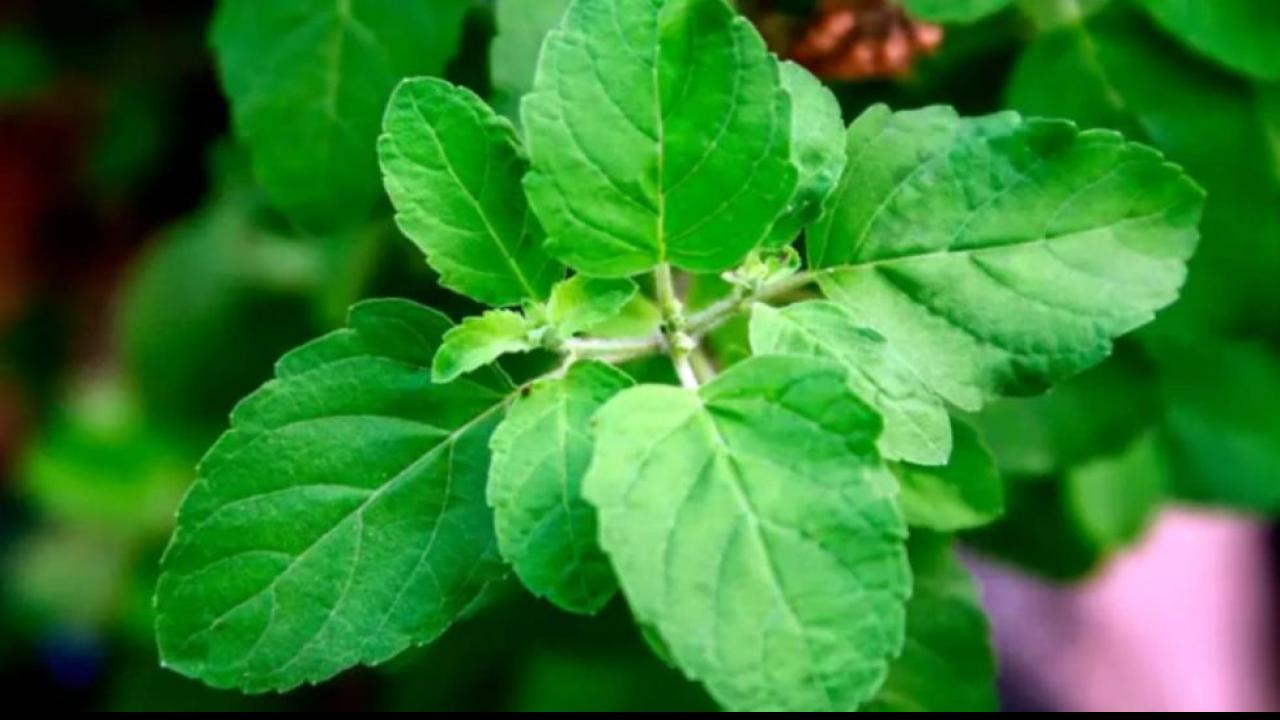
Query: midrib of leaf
[
  {"x": 723, "y": 456},
  {"x": 662, "y": 147},
  {"x": 562, "y": 421},
  {"x": 435, "y": 530},
  {"x": 976, "y": 251},
  {"x": 883, "y": 205},
  {"x": 744, "y": 182},
  {"x": 333, "y": 84},
  {"x": 1093, "y": 56},
  {"x": 1024, "y": 176},
  {"x": 334, "y": 77},
  {"x": 1271, "y": 136},
  {"x": 475, "y": 202},
  {"x": 446, "y": 441}
]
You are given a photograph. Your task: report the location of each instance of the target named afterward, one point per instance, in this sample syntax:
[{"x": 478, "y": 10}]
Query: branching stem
[{"x": 681, "y": 336}]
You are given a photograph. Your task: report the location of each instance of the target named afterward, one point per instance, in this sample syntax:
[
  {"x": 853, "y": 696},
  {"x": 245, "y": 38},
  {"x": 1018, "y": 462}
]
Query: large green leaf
[
  {"x": 453, "y": 170},
  {"x": 752, "y": 524},
  {"x": 308, "y": 80},
  {"x": 659, "y": 131},
  {"x": 1000, "y": 254},
  {"x": 342, "y": 517},
  {"x": 947, "y": 664},
  {"x": 1242, "y": 34},
  {"x": 967, "y": 492},
  {"x": 817, "y": 150},
  {"x": 916, "y": 426},
  {"x": 540, "y": 454},
  {"x": 1125, "y": 75}
]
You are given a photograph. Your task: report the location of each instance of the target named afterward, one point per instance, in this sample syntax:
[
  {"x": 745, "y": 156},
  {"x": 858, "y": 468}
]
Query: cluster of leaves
[{"x": 779, "y": 521}]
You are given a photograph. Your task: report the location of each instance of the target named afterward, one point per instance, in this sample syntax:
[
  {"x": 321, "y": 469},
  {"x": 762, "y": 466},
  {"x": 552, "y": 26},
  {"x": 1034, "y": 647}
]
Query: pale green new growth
[
  {"x": 540, "y": 454},
  {"x": 752, "y": 524},
  {"x": 649, "y": 148},
  {"x": 341, "y": 519},
  {"x": 581, "y": 303},
  {"x": 308, "y": 81},
  {"x": 453, "y": 169},
  {"x": 478, "y": 341}
]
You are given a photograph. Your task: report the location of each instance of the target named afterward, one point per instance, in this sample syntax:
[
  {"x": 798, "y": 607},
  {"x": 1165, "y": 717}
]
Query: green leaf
[
  {"x": 1060, "y": 13},
  {"x": 453, "y": 169},
  {"x": 1001, "y": 254},
  {"x": 1223, "y": 424},
  {"x": 965, "y": 493},
  {"x": 205, "y": 280},
  {"x": 479, "y": 341},
  {"x": 659, "y": 132},
  {"x": 1124, "y": 74},
  {"x": 581, "y": 303},
  {"x": 916, "y": 425},
  {"x": 1244, "y": 35},
  {"x": 64, "y": 577},
  {"x": 308, "y": 81},
  {"x": 780, "y": 584},
  {"x": 947, "y": 664},
  {"x": 540, "y": 454},
  {"x": 817, "y": 150},
  {"x": 1044, "y": 435},
  {"x": 1116, "y": 498},
  {"x": 513, "y": 55},
  {"x": 25, "y": 65},
  {"x": 1040, "y": 532},
  {"x": 98, "y": 465},
  {"x": 955, "y": 11},
  {"x": 342, "y": 518}
]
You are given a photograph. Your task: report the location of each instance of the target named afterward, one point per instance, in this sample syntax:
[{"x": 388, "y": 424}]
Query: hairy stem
[
  {"x": 677, "y": 342},
  {"x": 677, "y": 329},
  {"x": 715, "y": 315},
  {"x": 703, "y": 368}
]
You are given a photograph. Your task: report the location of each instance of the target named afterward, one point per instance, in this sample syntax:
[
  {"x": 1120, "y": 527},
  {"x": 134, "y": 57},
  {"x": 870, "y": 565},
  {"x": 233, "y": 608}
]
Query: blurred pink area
[{"x": 1182, "y": 622}]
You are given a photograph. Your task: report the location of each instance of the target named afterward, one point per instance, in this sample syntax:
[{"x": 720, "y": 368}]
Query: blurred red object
[{"x": 850, "y": 39}]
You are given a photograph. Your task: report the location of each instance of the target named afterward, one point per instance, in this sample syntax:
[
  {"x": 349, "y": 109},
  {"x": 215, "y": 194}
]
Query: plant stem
[
  {"x": 677, "y": 342},
  {"x": 703, "y": 368},
  {"x": 608, "y": 347},
  {"x": 668, "y": 302},
  {"x": 684, "y": 371},
  {"x": 713, "y": 316},
  {"x": 693, "y": 329}
]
